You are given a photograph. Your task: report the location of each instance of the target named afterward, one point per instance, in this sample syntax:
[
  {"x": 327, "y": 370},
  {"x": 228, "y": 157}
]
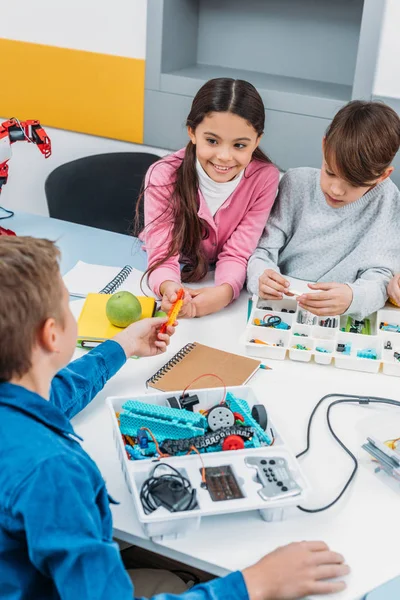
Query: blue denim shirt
[{"x": 55, "y": 520}]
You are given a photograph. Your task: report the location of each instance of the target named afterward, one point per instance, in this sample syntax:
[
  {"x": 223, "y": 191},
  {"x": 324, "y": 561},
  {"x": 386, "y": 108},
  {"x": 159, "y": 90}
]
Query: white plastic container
[
  {"x": 324, "y": 358},
  {"x": 162, "y": 523},
  {"x": 317, "y": 336},
  {"x": 273, "y": 337},
  {"x": 358, "y": 343},
  {"x": 301, "y": 355}
]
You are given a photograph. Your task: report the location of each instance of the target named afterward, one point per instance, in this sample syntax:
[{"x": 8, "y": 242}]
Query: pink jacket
[{"x": 233, "y": 232}]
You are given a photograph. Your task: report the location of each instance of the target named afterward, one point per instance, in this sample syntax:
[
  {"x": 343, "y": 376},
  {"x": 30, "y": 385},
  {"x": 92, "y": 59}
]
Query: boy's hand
[
  {"x": 169, "y": 290},
  {"x": 334, "y": 299},
  {"x": 143, "y": 338},
  {"x": 294, "y": 571},
  {"x": 272, "y": 286},
  {"x": 394, "y": 288},
  {"x": 209, "y": 300}
]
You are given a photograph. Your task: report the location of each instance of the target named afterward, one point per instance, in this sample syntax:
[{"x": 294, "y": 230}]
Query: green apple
[
  {"x": 160, "y": 313},
  {"x": 123, "y": 308}
]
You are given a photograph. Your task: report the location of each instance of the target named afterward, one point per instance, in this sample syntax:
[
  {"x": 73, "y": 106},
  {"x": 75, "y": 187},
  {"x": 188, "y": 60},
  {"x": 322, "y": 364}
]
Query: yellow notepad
[{"x": 93, "y": 324}]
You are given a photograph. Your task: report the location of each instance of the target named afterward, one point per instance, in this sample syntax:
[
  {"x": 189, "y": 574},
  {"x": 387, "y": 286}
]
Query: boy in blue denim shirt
[{"x": 55, "y": 521}]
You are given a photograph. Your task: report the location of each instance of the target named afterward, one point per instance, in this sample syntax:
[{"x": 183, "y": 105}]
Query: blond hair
[{"x": 30, "y": 293}]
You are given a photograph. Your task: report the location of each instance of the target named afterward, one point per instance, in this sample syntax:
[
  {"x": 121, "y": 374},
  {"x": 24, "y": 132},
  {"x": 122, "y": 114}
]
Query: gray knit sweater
[{"x": 357, "y": 244}]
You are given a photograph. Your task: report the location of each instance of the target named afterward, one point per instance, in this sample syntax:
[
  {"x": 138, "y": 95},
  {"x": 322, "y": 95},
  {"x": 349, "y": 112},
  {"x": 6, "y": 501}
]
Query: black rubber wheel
[{"x": 259, "y": 414}]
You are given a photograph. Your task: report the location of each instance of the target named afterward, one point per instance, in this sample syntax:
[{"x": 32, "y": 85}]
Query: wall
[
  {"x": 76, "y": 38},
  {"x": 387, "y": 79},
  {"x": 78, "y": 66},
  {"x": 28, "y": 169}
]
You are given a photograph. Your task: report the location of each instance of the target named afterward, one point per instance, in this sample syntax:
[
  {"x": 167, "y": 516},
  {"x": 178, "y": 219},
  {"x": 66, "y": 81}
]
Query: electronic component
[
  {"x": 344, "y": 349},
  {"x": 185, "y": 402},
  {"x": 274, "y": 476},
  {"x": 357, "y": 326},
  {"x": 389, "y": 460},
  {"x": 169, "y": 489},
  {"x": 329, "y": 322},
  {"x": 343, "y": 399},
  {"x": 142, "y": 438},
  {"x": 304, "y": 317},
  {"x": 221, "y": 483}
]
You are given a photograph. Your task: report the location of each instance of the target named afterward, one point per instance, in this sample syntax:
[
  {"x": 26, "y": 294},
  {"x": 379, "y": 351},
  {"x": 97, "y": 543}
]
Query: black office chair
[{"x": 100, "y": 191}]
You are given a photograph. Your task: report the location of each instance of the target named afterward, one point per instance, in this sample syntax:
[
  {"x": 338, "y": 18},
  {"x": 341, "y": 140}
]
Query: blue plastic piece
[
  {"x": 390, "y": 327},
  {"x": 134, "y": 453},
  {"x": 282, "y": 325},
  {"x": 163, "y": 421},
  {"x": 367, "y": 353},
  {"x": 142, "y": 438},
  {"x": 151, "y": 450},
  {"x": 347, "y": 349},
  {"x": 241, "y": 406},
  {"x": 319, "y": 349}
]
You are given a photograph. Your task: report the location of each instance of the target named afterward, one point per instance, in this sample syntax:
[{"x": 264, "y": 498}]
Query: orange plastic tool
[{"x": 174, "y": 310}]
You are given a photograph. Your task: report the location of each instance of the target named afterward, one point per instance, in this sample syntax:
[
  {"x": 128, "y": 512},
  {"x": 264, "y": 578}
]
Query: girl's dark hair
[
  {"x": 217, "y": 95},
  {"x": 362, "y": 141}
]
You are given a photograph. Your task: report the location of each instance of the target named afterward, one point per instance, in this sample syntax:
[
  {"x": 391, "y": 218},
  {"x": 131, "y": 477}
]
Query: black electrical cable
[
  {"x": 349, "y": 399},
  {"x": 178, "y": 485},
  {"x": 10, "y": 213}
]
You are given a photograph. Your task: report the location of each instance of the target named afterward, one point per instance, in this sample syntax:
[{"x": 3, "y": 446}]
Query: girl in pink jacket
[{"x": 208, "y": 203}]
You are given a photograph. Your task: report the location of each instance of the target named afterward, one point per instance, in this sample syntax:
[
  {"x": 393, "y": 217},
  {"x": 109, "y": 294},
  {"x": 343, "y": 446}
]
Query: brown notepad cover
[{"x": 196, "y": 359}]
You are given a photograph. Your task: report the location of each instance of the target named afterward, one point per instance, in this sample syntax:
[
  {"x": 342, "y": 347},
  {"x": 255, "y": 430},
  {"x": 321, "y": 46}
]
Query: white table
[{"x": 363, "y": 525}]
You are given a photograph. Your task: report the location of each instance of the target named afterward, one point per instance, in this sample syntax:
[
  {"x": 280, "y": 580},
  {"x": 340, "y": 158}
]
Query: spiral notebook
[
  {"x": 86, "y": 278},
  {"x": 194, "y": 360}
]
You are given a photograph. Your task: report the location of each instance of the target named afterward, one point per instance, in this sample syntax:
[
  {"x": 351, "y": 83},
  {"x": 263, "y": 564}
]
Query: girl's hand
[
  {"x": 334, "y": 299},
  {"x": 394, "y": 289},
  {"x": 209, "y": 300},
  {"x": 169, "y": 290}
]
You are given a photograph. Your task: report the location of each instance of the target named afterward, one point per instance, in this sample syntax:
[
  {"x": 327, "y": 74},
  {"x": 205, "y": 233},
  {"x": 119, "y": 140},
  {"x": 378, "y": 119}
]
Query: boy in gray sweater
[{"x": 338, "y": 226}]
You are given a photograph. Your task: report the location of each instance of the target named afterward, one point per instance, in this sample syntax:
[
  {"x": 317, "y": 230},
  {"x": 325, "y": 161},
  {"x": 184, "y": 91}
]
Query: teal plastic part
[
  {"x": 163, "y": 421},
  {"x": 241, "y": 406}
]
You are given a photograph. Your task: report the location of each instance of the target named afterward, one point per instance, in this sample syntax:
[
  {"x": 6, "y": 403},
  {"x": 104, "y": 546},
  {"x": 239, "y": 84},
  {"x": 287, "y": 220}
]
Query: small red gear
[{"x": 233, "y": 442}]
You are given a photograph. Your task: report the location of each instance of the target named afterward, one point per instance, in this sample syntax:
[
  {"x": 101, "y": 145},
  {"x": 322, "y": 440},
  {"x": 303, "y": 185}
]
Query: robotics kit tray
[
  {"x": 279, "y": 328},
  {"x": 258, "y": 476}
]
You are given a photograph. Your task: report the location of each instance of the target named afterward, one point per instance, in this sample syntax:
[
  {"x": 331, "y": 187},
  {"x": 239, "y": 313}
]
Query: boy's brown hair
[
  {"x": 30, "y": 293},
  {"x": 362, "y": 141}
]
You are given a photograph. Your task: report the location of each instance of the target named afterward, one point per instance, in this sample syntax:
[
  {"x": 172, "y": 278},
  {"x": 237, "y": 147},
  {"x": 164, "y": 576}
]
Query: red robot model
[{"x": 12, "y": 131}]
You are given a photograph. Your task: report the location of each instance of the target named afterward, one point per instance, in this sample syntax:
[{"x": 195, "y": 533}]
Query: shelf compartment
[{"x": 279, "y": 92}]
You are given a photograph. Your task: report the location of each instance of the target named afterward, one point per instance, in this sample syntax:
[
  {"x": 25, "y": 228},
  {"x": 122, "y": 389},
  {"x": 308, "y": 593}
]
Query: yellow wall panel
[{"x": 77, "y": 90}]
